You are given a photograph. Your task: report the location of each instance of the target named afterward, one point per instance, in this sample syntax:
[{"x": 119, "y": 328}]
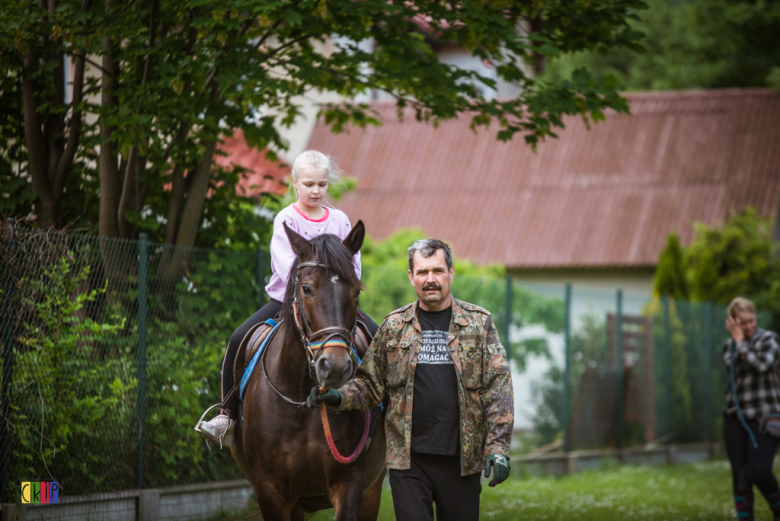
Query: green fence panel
[{"x": 112, "y": 349}]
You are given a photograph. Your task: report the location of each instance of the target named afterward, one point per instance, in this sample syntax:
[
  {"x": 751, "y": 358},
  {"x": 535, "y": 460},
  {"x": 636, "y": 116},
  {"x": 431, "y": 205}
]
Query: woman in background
[{"x": 754, "y": 354}]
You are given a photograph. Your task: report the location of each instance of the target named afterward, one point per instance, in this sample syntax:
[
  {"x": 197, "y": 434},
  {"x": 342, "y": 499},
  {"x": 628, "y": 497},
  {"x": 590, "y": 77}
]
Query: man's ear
[
  {"x": 300, "y": 246},
  {"x": 354, "y": 240}
]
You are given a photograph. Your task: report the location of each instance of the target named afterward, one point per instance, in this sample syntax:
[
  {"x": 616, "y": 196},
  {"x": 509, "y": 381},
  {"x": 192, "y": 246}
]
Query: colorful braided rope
[{"x": 332, "y": 445}]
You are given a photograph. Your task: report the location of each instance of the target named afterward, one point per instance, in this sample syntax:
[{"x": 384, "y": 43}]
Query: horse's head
[{"x": 326, "y": 297}]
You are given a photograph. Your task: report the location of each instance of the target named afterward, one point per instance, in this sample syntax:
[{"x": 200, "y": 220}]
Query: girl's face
[
  {"x": 747, "y": 321},
  {"x": 311, "y": 185}
]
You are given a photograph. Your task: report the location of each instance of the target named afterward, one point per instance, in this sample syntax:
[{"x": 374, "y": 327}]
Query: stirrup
[{"x": 207, "y": 435}]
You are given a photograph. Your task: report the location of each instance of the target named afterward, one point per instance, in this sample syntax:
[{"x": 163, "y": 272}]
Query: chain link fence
[{"x": 112, "y": 350}]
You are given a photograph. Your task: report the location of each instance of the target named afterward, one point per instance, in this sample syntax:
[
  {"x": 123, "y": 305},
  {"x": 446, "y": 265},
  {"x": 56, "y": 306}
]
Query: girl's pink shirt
[{"x": 282, "y": 254}]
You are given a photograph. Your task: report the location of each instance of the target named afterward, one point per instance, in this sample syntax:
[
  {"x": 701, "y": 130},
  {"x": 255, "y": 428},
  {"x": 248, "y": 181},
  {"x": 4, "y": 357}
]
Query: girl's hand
[{"x": 735, "y": 330}]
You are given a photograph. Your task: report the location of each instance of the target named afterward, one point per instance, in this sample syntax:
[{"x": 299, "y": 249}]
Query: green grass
[{"x": 698, "y": 491}]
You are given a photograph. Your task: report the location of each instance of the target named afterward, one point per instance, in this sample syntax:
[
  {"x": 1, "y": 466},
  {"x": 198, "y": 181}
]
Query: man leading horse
[{"x": 451, "y": 401}]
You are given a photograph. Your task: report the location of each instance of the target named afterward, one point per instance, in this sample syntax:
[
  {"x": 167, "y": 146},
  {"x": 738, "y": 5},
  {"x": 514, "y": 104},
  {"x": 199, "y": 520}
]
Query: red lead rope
[{"x": 332, "y": 446}]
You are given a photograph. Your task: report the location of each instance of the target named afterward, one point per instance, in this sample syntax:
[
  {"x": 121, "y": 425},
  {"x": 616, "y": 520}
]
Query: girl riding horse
[{"x": 312, "y": 174}]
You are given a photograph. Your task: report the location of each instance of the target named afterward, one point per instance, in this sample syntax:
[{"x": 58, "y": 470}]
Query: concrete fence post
[
  {"x": 14, "y": 512},
  {"x": 149, "y": 505}
]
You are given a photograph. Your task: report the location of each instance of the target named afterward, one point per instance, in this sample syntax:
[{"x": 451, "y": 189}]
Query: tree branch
[
  {"x": 74, "y": 133},
  {"x": 122, "y": 10},
  {"x": 268, "y": 33},
  {"x": 410, "y": 101},
  {"x": 89, "y": 61},
  {"x": 288, "y": 44},
  {"x": 177, "y": 190},
  {"x": 241, "y": 32},
  {"x": 124, "y": 198}
]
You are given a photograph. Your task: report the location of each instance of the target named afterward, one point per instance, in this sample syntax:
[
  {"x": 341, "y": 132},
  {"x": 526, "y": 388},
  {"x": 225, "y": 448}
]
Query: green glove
[
  {"x": 331, "y": 397},
  {"x": 500, "y": 466}
]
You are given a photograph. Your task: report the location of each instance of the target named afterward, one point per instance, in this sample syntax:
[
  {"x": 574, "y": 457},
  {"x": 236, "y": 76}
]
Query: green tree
[
  {"x": 670, "y": 273},
  {"x": 692, "y": 44},
  {"x": 128, "y": 143},
  {"x": 724, "y": 262}
]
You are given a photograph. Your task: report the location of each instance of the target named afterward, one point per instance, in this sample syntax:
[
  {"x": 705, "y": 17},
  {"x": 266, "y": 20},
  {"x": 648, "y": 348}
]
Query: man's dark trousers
[{"x": 435, "y": 479}]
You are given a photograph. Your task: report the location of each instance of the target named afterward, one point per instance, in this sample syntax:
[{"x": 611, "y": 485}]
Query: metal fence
[
  {"x": 594, "y": 369},
  {"x": 112, "y": 349}
]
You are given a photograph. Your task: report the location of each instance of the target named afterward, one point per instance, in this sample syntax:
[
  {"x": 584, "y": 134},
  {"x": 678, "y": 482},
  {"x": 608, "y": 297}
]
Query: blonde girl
[{"x": 312, "y": 174}]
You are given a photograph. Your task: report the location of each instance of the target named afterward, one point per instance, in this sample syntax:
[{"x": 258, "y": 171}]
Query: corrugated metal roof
[
  {"x": 592, "y": 198},
  {"x": 262, "y": 176}
]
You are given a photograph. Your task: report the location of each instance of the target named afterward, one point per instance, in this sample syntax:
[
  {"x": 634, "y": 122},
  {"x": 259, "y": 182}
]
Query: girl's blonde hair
[
  {"x": 740, "y": 305},
  {"x": 318, "y": 160}
]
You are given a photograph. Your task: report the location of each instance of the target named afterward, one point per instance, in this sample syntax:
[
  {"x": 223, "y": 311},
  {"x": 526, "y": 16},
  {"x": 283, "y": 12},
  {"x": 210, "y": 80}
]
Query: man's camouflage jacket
[{"x": 484, "y": 383}]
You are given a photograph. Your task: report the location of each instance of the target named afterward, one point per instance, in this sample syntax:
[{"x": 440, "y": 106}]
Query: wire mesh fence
[{"x": 112, "y": 349}]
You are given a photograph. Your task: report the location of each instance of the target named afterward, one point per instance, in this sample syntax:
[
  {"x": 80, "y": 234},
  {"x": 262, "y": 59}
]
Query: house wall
[
  {"x": 630, "y": 280},
  {"x": 594, "y": 294}
]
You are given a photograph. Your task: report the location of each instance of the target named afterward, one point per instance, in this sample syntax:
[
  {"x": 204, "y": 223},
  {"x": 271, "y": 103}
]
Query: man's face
[{"x": 431, "y": 280}]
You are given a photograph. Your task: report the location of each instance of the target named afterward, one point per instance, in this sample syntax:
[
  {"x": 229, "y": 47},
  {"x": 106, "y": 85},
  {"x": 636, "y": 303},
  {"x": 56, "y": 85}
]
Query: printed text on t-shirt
[{"x": 433, "y": 349}]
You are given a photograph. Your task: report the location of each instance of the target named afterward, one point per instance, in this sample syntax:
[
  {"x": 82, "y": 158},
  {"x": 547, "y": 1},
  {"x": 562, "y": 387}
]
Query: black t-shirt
[{"x": 435, "y": 413}]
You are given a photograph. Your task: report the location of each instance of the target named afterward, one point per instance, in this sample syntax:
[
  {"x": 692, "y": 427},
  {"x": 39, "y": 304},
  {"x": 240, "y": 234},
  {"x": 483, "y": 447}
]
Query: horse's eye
[{"x": 307, "y": 291}]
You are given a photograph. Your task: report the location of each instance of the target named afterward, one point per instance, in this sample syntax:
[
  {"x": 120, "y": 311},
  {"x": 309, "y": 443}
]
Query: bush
[{"x": 722, "y": 263}]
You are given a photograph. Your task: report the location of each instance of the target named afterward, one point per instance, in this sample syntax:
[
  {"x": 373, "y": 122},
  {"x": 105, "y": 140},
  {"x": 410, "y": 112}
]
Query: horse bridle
[{"x": 333, "y": 336}]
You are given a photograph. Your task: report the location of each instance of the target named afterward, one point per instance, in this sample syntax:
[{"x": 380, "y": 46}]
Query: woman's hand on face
[{"x": 735, "y": 330}]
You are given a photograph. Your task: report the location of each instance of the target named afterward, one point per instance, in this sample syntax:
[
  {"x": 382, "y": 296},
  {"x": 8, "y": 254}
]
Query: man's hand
[
  {"x": 500, "y": 469},
  {"x": 331, "y": 397}
]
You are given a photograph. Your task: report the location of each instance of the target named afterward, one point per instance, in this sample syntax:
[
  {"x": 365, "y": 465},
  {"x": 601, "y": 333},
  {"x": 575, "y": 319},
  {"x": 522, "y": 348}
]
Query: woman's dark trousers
[{"x": 750, "y": 465}]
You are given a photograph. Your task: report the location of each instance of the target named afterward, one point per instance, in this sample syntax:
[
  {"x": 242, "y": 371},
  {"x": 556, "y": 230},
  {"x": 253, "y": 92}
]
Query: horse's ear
[
  {"x": 300, "y": 246},
  {"x": 354, "y": 240}
]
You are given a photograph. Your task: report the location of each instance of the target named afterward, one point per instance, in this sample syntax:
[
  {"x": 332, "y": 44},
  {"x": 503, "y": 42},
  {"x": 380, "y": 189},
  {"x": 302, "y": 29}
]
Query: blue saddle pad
[{"x": 251, "y": 367}]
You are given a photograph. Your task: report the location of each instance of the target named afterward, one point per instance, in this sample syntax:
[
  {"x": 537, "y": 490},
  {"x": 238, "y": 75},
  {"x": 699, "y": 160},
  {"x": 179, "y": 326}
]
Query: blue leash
[
  {"x": 251, "y": 367},
  {"x": 736, "y": 401}
]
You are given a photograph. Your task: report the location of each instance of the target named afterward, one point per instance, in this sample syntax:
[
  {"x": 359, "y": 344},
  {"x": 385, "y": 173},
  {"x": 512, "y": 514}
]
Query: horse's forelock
[{"x": 328, "y": 249}]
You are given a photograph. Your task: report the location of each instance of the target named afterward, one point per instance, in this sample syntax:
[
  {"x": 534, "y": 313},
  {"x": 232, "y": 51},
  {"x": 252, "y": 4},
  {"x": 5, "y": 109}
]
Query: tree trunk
[
  {"x": 107, "y": 162},
  {"x": 177, "y": 190},
  {"x": 37, "y": 154},
  {"x": 196, "y": 198}
]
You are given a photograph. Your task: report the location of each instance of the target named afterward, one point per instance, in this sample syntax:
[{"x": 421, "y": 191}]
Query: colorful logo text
[{"x": 40, "y": 492}]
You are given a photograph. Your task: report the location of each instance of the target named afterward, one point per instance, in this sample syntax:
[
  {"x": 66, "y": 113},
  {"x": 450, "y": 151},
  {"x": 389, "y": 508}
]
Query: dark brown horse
[{"x": 281, "y": 446}]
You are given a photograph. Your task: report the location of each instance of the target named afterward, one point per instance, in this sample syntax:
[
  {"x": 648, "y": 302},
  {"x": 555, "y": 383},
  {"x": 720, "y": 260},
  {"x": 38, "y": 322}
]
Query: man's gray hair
[{"x": 428, "y": 247}]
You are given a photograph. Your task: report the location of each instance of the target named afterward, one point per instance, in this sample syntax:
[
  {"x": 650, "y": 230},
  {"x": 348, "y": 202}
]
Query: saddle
[{"x": 252, "y": 341}]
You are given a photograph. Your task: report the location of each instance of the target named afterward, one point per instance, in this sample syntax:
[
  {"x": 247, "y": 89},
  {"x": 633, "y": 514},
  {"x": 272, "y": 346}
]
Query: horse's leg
[
  {"x": 297, "y": 514},
  {"x": 272, "y": 505},
  {"x": 369, "y": 503},
  {"x": 345, "y": 494},
  {"x": 237, "y": 450}
]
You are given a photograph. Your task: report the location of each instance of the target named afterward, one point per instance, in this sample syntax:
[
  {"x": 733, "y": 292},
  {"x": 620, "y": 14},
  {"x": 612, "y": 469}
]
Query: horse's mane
[{"x": 328, "y": 249}]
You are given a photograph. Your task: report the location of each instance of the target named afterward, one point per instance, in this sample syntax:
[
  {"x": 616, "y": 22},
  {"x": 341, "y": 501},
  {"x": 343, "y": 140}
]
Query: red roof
[
  {"x": 598, "y": 198},
  {"x": 263, "y": 176}
]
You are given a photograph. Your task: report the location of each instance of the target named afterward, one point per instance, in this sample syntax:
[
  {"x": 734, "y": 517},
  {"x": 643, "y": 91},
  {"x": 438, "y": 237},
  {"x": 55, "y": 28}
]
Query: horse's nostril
[{"x": 323, "y": 367}]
